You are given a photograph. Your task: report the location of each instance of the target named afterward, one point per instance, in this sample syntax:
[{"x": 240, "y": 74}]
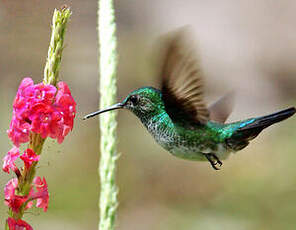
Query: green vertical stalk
[{"x": 108, "y": 62}]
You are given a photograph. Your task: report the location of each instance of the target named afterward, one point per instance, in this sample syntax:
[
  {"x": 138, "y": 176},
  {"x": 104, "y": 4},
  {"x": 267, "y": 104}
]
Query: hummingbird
[{"x": 178, "y": 118}]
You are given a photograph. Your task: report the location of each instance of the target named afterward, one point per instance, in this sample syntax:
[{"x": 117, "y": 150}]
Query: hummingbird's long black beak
[{"x": 112, "y": 107}]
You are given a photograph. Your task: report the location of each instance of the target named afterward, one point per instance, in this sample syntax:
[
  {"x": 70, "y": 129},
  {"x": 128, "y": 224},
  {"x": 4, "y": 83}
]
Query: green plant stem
[{"x": 108, "y": 62}]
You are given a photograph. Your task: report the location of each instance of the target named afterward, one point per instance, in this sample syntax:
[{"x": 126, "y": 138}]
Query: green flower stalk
[
  {"x": 56, "y": 45},
  {"x": 39, "y": 111},
  {"x": 108, "y": 62}
]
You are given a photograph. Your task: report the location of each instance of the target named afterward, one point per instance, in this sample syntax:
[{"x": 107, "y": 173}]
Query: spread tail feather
[{"x": 241, "y": 137}]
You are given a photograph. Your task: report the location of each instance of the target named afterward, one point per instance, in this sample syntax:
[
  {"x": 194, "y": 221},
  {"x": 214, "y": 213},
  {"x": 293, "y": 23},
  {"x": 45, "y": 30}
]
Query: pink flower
[
  {"x": 67, "y": 106},
  {"x": 18, "y": 224},
  {"x": 19, "y": 131},
  {"x": 9, "y": 159},
  {"x": 15, "y": 202},
  {"x": 41, "y": 109},
  {"x": 29, "y": 156},
  {"x": 12, "y": 200},
  {"x": 42, "y": 93},
  {"x": 41, "y": 195},
  {"x": 46, "y": 120},
  {"x": 27, "y": 81},
  {"x": 28, "y": 94},
  {"x": 9, "y": 188}
]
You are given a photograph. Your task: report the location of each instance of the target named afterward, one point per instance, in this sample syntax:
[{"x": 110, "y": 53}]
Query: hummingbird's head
[{"x": 142, "y": 102}]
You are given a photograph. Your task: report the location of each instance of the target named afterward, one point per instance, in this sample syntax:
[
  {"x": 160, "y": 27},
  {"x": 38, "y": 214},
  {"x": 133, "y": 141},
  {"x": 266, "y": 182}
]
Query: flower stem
[
  {"x": 51, "y": 73},
  {"x": 108, "y": 62}
]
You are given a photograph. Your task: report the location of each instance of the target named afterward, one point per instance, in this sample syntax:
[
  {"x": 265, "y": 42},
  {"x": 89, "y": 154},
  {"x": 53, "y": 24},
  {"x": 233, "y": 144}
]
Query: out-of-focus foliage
[{"x": 244, "y": 45}]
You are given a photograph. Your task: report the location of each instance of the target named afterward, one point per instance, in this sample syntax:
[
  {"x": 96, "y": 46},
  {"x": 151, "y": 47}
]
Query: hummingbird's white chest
[
  {"x": 178, "y": 145},
  {"x": 197, "y": 154}
]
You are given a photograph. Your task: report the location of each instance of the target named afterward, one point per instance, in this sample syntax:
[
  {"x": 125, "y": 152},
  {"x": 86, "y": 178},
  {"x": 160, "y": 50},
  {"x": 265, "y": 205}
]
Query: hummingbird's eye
[{"x": 134, "y": 99}]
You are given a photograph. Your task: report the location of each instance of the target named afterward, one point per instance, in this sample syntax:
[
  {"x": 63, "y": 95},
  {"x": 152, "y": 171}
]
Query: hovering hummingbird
[{"x": 177, "y": 117}]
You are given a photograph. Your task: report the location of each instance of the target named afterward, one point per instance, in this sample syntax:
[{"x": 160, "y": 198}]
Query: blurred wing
[
  {"x": 221, "y": 109},
  {"x": 182, "y": 85}
]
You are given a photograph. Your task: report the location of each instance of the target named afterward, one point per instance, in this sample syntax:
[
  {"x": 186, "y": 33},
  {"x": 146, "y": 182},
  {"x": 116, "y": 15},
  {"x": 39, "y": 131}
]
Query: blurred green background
[{"x": 247, "y": 45}]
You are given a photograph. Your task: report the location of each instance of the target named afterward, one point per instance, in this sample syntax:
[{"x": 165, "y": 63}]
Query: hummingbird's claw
[{"x": 214, "y": 160}]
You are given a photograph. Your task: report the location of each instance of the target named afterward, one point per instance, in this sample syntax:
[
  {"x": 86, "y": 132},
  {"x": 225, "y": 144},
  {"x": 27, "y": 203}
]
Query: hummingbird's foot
[{"x": 214, "y": 160}]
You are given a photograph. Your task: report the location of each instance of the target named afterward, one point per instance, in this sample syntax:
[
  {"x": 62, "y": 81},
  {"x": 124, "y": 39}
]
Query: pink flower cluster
[
  {"x": 28, "y": 157},
  {"x": 45, "y": 110},
  {"x": 38, "y": 190},
  {"x": 42, "y": 109}
]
